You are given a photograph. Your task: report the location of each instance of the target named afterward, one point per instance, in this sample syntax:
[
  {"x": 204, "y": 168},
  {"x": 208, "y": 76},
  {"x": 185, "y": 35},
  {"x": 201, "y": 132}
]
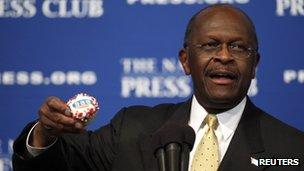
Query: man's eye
[
  {"x": 237, "y": 47},
  {"x": 210, "y": 45}
]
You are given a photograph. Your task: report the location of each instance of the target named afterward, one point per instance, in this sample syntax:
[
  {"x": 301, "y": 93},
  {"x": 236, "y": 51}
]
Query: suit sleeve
[{"x": 88, "y": 151}]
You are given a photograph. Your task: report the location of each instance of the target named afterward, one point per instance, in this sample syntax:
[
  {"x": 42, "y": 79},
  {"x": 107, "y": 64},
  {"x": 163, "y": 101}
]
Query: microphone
[
  {"x": 189, "y": 137},
  {"x": 160, "y": 155},
  {"x": 172, "y": 144},
  {"x": 172, "y": 152}
]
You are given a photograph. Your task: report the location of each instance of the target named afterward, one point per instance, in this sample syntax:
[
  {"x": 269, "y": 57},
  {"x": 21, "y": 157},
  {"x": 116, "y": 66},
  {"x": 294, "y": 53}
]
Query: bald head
[{"x": 220, "y": 12}]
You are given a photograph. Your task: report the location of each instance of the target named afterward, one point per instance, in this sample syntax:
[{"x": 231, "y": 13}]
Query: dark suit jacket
[{"x": 125, "y": 143}]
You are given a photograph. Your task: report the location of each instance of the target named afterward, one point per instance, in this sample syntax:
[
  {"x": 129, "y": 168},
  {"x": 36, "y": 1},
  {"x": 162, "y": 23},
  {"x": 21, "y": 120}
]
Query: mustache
[{"x": 229, "y": 71}]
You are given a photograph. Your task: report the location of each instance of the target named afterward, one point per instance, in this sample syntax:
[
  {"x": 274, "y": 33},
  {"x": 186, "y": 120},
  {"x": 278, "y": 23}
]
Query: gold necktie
[{"x": 206, "y": 157}]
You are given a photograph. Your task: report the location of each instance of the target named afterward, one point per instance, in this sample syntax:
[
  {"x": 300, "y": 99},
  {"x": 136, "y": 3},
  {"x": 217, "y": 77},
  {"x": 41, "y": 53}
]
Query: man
[{"x": 221, "y": 55}]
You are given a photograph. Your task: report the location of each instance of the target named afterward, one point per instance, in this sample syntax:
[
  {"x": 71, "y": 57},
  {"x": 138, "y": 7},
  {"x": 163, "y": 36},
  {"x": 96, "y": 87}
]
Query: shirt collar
[{"x": 228, "y": 120}]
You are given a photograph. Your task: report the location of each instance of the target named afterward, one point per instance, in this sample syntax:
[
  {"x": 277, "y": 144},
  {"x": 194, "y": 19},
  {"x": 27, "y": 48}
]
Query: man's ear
[
  {"x": 256, "y": 62},
  {"x": 184, "y": 60}
]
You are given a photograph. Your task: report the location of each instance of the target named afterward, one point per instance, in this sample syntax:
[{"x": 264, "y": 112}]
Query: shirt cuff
[{"x": 35, "y": 151}]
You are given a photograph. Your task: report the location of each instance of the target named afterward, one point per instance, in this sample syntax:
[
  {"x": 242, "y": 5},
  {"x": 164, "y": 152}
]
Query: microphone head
[
  {"x": 189, "y": 136},
  {"x": 173, "y": 132}
]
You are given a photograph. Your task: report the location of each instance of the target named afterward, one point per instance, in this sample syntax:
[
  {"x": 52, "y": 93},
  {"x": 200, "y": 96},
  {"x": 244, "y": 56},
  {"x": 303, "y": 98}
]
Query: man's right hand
[{"x": 55, "y": 118}]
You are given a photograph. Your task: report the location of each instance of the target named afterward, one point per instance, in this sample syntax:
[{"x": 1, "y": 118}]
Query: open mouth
[{"x": 222, "y": 77}]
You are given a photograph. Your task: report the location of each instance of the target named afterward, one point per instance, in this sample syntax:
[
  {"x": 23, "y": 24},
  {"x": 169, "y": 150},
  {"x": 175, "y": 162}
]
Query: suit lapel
[
  {"x": 180, "y": 115},
  {"x": 246, "y": 143}
]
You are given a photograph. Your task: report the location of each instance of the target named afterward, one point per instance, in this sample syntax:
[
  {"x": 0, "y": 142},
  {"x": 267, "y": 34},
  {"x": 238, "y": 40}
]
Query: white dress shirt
[
  {"x": 227, "y": 120},
  {"x": 35, "y": 151}
]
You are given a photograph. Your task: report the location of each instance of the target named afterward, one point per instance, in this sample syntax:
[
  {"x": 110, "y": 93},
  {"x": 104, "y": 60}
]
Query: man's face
[{"x": 220, "y": 80}]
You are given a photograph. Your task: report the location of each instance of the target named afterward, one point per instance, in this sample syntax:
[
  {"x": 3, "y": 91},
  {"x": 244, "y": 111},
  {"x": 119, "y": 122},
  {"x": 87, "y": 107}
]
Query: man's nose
[{"x": 223, "y": 55}]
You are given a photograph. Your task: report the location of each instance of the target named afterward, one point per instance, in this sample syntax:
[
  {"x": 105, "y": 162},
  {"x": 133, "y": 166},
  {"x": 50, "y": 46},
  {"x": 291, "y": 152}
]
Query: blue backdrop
[{"x": 125, "y": 52}]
